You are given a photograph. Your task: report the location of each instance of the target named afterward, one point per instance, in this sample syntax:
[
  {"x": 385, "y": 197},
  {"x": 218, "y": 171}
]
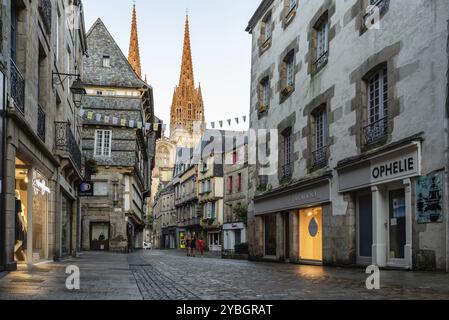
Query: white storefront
[
  {"x": 233, "y": 234},
  {"x": 382, "y": 186}
]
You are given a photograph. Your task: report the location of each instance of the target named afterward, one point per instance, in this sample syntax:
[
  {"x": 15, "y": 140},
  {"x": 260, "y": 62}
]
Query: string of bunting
[
  {"x": 237, "y": 120},
  {"x": 123, "y": 122}
]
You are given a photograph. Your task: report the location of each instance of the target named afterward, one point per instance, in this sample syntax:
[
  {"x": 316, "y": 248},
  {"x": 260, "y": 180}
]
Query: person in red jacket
[{"x": 200, "y": 245}]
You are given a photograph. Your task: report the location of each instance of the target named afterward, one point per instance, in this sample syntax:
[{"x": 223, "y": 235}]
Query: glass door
[
  {"x": 364, "y": 229},
  {"x": 39, "y": 222},
  {"x": 311, "y": 234},
  {"x": 270, "y": 235},
  {"x": 66, "y": 219},
  {"x": 397, "y": 227}
]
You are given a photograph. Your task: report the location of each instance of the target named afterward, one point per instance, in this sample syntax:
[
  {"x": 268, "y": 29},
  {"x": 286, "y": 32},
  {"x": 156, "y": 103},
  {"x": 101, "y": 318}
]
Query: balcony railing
[
  {"x": 287, "y": 171},
  {"x": 376, "y": 131},
  {"x": 45, "y": 10},
  {"x": 320, "y": 156},
  {"x": 41, "y": 118},
  {"x": 66, "y": 142},
  {"x": 321, "y": 61},
  {"x": 17, "y": 88}
]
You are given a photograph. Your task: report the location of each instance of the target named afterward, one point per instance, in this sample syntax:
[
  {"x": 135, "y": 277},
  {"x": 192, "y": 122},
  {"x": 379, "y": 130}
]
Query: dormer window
[{"x": 106, "y": 61}]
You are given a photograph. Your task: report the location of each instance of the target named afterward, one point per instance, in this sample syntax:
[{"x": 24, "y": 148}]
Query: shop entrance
[
  {"x": 365, "y": 229},
  {"x": 31, "y": 214},
  {"x": 270, "y": 236},
  {"x": 99, "y": 236},
  {"x": 66, "y": 228},
  {"x": 397, "y": 227},
  {"x": 311, "y": 234}
]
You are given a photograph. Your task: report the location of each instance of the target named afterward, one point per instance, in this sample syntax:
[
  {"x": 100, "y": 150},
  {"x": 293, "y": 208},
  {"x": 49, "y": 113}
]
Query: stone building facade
[
  {"x": 43, "y": 165},
  {"x": 358, "y": 96},
  {"x": 235, "y": 195},
  {"x": 115, "y": 146},
  {"x": 186, "y": 202},
  {"x": 166, "y": 218}
]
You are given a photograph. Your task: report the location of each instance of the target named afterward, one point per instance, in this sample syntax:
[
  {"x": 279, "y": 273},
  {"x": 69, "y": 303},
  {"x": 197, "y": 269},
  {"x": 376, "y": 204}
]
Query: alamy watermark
[
  {"x": 73, "y": 280},
  {"x": 373, "y": 281}
]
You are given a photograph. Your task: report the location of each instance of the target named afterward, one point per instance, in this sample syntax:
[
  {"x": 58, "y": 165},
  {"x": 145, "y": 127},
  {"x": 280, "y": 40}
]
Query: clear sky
[{"x": 221, "y": 48}]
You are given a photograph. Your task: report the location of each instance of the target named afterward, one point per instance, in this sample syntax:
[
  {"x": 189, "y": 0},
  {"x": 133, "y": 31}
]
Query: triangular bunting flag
[
  {"x": 221, "y": 124},
  {"x": 98, "y": 117},
  {"x": 106, "y": 119},
  {"x": 131, "y": 123},
  {"x": 123, "y": 122},
  {"x": 213, "y": 125},
  {"x": 155, "y": 126},
  {"x": 139, "y": 125},
  {"x": 237, "y": 120},
  {"x": 115, "y": 121},
  {"x": 244, "y": 119},
  {"x": 82, "y": 112},
  {"x": 90, "y": 115},
  {"x": 229, "y": 122},
  {"x": 147, "y": 126}
]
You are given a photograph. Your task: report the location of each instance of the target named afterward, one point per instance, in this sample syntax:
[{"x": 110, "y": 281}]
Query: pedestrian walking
[
  {"x": 200, "y": 246},
  {"x": 188, "y": 241},
  {"x": 193, "y": 245}
]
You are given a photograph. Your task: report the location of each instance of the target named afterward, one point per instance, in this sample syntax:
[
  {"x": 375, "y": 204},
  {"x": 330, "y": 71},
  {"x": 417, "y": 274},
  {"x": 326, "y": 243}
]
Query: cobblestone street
[{"x": 163, "y": 275}]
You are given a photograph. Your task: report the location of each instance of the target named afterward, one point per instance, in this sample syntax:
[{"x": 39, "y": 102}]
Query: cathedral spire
[
  {"x": 187, "y": 107},
  {"x": 134, "y": 53},
  {"x": 186, "y": 76}
]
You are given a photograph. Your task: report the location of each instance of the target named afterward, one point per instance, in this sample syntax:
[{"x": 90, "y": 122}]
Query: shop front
[
  {"x": 292, "y": 220},
  {"x": 31, "y": 214},
  {"x": 2, "y": 168},
  {"x": 214, "y": 241},
  {"x": 234, "y": 234},
  {"x": 382, "y": 187}
]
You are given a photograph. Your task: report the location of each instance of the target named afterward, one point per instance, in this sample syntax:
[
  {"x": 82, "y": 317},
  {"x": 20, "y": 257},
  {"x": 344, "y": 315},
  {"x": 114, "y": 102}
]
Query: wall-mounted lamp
[{"x": 77, "y": 89}]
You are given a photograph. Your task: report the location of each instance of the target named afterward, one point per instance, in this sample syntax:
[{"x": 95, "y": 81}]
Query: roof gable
[{"x": 120, "y": 73}]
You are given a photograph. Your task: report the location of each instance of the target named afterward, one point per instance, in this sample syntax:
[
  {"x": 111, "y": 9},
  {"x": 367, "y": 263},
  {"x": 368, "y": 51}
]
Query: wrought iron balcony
[
  {"x": 321, "y": 61},
  {"x": 41, "y": 126},
  {"x": 17, "y": 88},
  {"x": 287, "y": 171},
  {"x": 45, "y": 10},
  {"x": 376, "y": 131},
  {"x": 320, "y": 156},
  {"x": 66, "y": 142}
]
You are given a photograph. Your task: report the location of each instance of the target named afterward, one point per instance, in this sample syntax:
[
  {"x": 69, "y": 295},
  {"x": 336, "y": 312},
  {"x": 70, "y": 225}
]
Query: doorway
[
  {"x": 311, "y": 234},
  {"x": 286, "y": 221},
  {"x": 364, "y": 229},
  {"x": 99, "y": 236},
  {"x": 397, "y": 227},
  {"x": 270, "y": 236}
]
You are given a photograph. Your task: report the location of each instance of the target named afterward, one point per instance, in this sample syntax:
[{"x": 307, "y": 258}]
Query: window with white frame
[
  {"x": 265, "y": 92},
  {"x": 106, "y": 61},
  {"x": 290, "y": 69},
  {"x": 210, "y": 210},
  {"x": 320, "y": 129},
  {"x": 378, "y": 97},
  {"x": 103, "y": 140},
  {"x": 322, "y": 40},
  {"x": 267, "y": 28}
]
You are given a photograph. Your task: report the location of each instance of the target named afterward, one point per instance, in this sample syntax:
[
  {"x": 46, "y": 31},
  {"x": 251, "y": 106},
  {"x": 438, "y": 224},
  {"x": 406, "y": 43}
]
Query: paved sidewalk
[{"x": 170, "y": 275}]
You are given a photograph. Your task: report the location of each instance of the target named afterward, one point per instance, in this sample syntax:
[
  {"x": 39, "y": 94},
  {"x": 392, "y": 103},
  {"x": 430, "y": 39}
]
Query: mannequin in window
[{"x": 21, "y": 225}]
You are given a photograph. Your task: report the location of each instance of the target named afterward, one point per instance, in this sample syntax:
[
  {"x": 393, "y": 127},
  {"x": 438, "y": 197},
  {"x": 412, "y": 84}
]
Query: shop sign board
[{"x": 398, "y": 165}]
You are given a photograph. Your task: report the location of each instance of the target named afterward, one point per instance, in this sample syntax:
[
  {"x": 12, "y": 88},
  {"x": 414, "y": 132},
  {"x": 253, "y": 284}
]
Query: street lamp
[{"x": 77, "y": 89}]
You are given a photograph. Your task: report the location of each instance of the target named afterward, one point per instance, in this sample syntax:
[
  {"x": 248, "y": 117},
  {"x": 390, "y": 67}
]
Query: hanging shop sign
[
  {"x": 86, "y": 189},
  {"x": 429, "y": 198}
]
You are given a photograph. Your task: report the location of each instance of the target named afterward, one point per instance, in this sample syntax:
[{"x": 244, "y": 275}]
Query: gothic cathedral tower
[{"x": 187, "y": 110}]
